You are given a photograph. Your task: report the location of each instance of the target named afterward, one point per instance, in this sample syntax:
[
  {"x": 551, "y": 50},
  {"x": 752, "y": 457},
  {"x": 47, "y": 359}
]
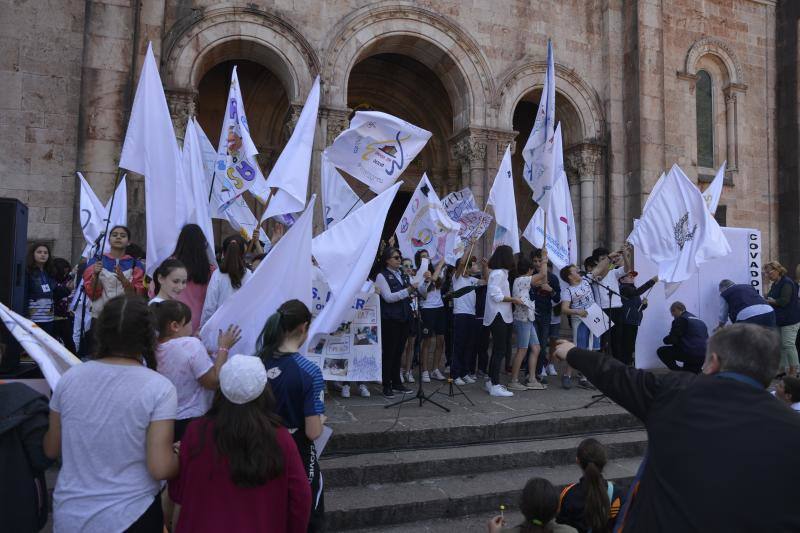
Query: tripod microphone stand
[
  {"x": 597, "y": 398},
  {"x": 421, "y": 396}
]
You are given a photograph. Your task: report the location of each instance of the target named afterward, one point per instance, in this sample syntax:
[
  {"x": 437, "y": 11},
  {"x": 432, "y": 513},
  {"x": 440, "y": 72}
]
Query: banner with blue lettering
[{"x": 353, "y": 351}]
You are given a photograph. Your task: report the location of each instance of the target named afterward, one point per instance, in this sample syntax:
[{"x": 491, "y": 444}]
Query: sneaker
[
  {"x": 516, "y": 385},
  {"x": 437, "y": 375},
  {"x": 410, "y": 377},
  {"x": 363, "y": 391},
  {"x": 583, "y": 382},
  {"x": 387, "y": 392},
  {"x": 487, "y": 385},
  {"x": 551, "y": 370},
  {"x": 499, "y": 390},
  {"x": 469, "y": 378},
  {"x": 535, "y": 385},
  {"x": 402, "y": 377},
  {"x": 542, "y": 378},
  {"x": 346, "y": 391},
  {"x": 479, "y": 375},
  {"x": 426, "y": 377},
  {"x": 447, "y": 369},
  {"x": 401, "y": 388},
  {"x": 566, "y": 382},
  {"x": 460, "y": 382}
]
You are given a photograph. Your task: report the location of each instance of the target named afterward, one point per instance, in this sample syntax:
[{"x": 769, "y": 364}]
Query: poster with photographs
[{"x": 353, "y": 351}]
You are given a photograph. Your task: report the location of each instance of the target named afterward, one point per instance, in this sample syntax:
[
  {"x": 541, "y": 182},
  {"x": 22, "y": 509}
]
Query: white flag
[
  {"x": 195, "y": 194},
  {"x": 538, "y": 173},
  {"x": 236, "y": 154},
  {"x": 151, "y": 149},
  {"x": 377, "y": 148},
  {"x": 338, "y": 199},
  {"x": 425, "y": 225},
  {"x": 51, "y": 356},
  {"x": 238, "y": 213},
  {"x": 345, "y": 254},
  {"x": 677, "y": 232},
  {"x": 285, "y": 274},
  {"x": 562, "y": 242},
  {"x": 461, "y": 207},
  {"x": 290, "y": 173},
  {"x": 654, "y": 192},
  {"x": 94, "y": 214},
  {"x": 501, "y": 198},
  {"x": 713, "y": 192}
]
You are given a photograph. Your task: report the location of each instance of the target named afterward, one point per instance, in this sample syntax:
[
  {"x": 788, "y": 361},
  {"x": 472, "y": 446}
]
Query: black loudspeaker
[{"x": 13, "y": 241}]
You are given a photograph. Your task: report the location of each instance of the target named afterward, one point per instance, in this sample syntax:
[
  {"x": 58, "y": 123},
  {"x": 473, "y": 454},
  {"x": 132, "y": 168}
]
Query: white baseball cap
[{"x": 242, "y": 378}]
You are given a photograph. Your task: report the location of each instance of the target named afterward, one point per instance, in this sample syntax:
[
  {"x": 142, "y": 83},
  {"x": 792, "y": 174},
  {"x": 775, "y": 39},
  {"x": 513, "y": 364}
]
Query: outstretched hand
[
  {"x": 495, "y": 525},
  {"x": 229, "y": 337},
  {"x": 562, "y": 349}
]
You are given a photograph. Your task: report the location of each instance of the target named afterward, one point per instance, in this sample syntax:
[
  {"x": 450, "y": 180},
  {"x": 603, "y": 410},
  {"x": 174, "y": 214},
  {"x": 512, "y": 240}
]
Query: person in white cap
[{"x": 239, "y": 468}]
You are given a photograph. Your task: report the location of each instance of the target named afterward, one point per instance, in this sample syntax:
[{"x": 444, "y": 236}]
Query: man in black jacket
[
  {"x": 686, "y": 341},
  {"x": 719, "y": 455}
]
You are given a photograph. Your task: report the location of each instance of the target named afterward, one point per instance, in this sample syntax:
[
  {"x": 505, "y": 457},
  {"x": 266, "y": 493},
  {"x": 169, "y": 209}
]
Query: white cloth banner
[
  {"x": 501, "y": 198},
  {"x": 236, "y": 153},
  {"x": 677, "y": 231},
  {"x": 195, "y": 195},
  {"x": 425, "y": 225},
  {"x": 460, "y": 206},
  {"x": 284, "y": 274},
  {"x": 151, "y": 149},
  {"x": 352, "y": 352},
  {"x": 538, "y": 172},
  {"x": 596, "y": 320},
  {"x": 290, "y": 173},
  {"x": 713, "y": 192},
  {"x": 377, "y": 148},
  {"x": 338, "y": 199},
  {"x": 94, "y": 214},
  {"x": 51, "y": 356},
  {"x": 562, "y": 241}
]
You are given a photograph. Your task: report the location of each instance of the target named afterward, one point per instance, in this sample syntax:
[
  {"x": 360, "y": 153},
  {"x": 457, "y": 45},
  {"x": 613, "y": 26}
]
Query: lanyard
[{"x": 740, "y": 378}]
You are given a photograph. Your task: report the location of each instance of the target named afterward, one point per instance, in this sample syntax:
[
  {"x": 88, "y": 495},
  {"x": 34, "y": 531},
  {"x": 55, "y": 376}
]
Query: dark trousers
[
  {"x": 393, "y": 340},
  {"x": 152, "y": 521},
  {"x": 628, "y": 345},
  {"x": 766, "y": 319},
  {"x": 62, "y": 331},
  {"x": 670, "y": 354},
  {"x": 501, "y": 347},
  {"x": 542, "y": 326},
  {"x": 611, "y": 340},
  {"x": 480, "y": 355},
  {"x": 449, "y": 341},
  {"x": 464, "y": 335}
]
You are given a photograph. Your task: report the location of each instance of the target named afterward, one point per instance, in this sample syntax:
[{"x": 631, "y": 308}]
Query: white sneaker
[
  {"x": 469, "y": 378},
  {"x": 551, "y": 370},
  {"x": 346, "y": 391},
  {"x": 410, "y": 377},
  {"x": 426, "y": 377},
  {"x": 499, "y": 390},
  {"x": 437, "y": 375},
  {"x": 460, "y": 382},
  {"x": 402, "y": 377},
  {"x": 488, "y": 386},
  {"x": 363, "y": 391}
]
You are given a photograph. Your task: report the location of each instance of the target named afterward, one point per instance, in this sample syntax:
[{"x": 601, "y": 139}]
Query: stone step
[
  {"x": 409, "y": 465},
  {"x": 475, "y": 523},
  {"x": 383, "y": 505}
]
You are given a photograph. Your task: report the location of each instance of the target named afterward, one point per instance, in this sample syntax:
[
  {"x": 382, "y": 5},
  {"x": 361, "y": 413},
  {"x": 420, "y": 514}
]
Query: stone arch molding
[
  {"x": 199, "y": 42},
  {"x": 469, "y": 84},
  {"x": 525, "y": 78},
  {"x": 719, "y": 49}
]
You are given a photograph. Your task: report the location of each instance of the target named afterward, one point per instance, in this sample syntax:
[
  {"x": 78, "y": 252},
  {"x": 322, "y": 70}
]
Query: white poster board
[
  {"x": 353, "y": 352},
  {"x": 596, "y": 320},
  {"x": 700, "y": 293}
]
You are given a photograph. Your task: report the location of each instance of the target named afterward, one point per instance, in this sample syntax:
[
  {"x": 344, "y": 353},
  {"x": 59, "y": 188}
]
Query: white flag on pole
[
  {"x": 461, "y": 207},
  {"x": 236, "y": 154},
  {"x": 285, "y": 274},
  {"x": 377, "y": 148},
  {"x": 196, "y": 193},
  {"x": 94, "y": 213},
  {"x": 345, "y": 253},
  {"x": 713, "y": 192},
  {"x": 290, "y": 173},
  {"x": 338, "y": 199},
  {"x": 238, "y": 213},
  {"x": 501, "y": 198},
  {"x": 538, "y": 173},
  {"x": 51, "y": 356},
  {"x": 562, "y": 242},
  {"x": 677, "y": 232},
  {"x": 425, "y": 225},
  {"x": 151, "y": 149}
]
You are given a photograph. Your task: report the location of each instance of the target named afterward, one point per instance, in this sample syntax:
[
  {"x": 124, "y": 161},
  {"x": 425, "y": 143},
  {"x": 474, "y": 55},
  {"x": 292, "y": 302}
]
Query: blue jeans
[
  {"x": 582, "y": 335},
  {"x": 526, "y": 333}
]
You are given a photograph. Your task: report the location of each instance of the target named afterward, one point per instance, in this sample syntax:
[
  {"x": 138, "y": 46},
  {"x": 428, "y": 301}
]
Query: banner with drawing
[
  {"x": 352, "y": 352},
  {"x": 460, "y": 206}
]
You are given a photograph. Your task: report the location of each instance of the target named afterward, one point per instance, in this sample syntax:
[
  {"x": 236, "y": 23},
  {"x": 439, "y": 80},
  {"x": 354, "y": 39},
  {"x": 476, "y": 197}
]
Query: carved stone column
[
  {"x": 584, "y": 162},
  {"x": 182, "y": 105},
  {"x": 732, "y": 124},
  {"x": 292, "y": 116}
]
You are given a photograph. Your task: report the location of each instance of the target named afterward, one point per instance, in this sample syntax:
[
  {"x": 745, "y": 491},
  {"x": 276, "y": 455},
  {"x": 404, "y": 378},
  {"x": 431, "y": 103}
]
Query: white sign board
[
  {"x": 700, "y": 293},
  {"x": 596, "y": 320}
]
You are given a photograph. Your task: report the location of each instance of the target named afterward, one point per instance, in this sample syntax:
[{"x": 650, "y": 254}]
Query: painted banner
[
  {"x": 353, "y": 351},
  {"x": 460, "y": 206}
]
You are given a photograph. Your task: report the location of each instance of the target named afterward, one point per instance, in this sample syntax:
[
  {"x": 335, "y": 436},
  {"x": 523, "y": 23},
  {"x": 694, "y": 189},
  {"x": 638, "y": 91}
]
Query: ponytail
[
  {"x": 233, "y": 262},
  {"x": 592, "y": 459},
  {"x": 289, "y": 316}
]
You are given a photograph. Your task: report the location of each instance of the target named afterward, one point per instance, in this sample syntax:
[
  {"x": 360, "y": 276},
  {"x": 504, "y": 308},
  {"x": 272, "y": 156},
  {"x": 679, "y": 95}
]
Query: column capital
[
  {"x": 182, "y": 105},
  {"x": 583, "y": 161},
  {"x": 337, "y": 119},
  {"x": 469, "y": 148}
]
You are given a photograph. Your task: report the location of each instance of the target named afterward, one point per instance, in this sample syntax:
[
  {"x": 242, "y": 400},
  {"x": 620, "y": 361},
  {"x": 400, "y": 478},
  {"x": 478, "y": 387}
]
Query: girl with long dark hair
[
  {"x": 465, "y": 327},
  {"x": 298, "y": 387},
  {"x": 111, "y": 421},
  {"x": 231, "y": 276},
  {"x": 239, "y": 468},
  {"x": 170, "y": 281},
  {"x": 538, "y": 504},
  {"x": 593, "y": 503},
  {"x": 524, "y": 318},
  {"x": 498, "y": 315},
  {"x": 39, "y": 284},
  {"x": 192, "y": 250},
  {"x": 434, "y": 320}
]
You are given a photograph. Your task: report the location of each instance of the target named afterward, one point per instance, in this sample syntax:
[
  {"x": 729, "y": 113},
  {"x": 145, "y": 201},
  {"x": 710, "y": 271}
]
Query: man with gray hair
[
  {"x": 740, "y": 302},
  {"x": 714, "y": 439}
]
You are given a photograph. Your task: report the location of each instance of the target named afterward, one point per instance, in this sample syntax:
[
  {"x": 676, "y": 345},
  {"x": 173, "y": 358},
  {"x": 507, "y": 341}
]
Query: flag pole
[
  {"x": 356, "y": 202},
  {"x": 257, "y": 230},
  {"x": 211, "y": 189},
  {"x": 471, "y": 246}
]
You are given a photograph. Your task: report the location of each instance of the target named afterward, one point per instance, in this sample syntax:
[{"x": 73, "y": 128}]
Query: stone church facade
[{"x": 641, "y": 84}]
